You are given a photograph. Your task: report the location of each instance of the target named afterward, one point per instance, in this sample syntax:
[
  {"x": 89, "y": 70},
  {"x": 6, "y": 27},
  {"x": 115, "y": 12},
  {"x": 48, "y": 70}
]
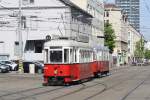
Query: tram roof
[
  {"x": 66, "y": 43},
  {"x": 104, "y": 48}
]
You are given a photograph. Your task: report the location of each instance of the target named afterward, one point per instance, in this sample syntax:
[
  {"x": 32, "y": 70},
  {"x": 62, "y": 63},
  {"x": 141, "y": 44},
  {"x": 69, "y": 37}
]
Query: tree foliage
[
  {"x": 139, "y": 49},
  {"x": 147, "y": 54},
  {"x": 109, "y": 37}
]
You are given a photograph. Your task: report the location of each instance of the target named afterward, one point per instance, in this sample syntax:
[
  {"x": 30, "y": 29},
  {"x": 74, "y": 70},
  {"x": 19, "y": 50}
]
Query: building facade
[
  {"x": 118, "y": 20},
  {"x": 126, "y": 35},
  {"x": 132, "y": 8},
  {"x": 96, "y": 9},
  {"x": 133, "y": 37},
  {"x": 40, "y": 19}
]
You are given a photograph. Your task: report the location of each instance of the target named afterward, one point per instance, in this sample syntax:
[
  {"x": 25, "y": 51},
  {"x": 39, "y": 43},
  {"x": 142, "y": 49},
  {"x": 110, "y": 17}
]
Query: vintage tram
[{"x": 68, "y": 61}]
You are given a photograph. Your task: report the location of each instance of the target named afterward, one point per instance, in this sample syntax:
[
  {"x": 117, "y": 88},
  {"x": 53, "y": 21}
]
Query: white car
[
  {"x": 4, "y": 68},
  {"x": 13, "y": 65}
]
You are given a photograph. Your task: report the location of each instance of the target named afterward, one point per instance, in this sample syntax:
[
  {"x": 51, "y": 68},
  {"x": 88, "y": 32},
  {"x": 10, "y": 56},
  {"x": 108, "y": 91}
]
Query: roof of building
[
  {"x": 69, "y": 3},
  {"x": 111, "y": 6}
]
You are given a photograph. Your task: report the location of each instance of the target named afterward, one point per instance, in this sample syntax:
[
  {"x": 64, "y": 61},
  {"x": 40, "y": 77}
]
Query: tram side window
[
  {"x": 66, "y": 55},
  {"x": 85, "y": 56},
  {"x": 75, "y": 56},
  {"x": 100, "y": 55},
  {"x": 104, "y": 56},
  {"x": 88, "y": 60},
  {"x": 91, "y": 56},
  {"x": 81, "y": 57},
  {"x": 71, "y": 56},
  {"x": 107, "y": 56},
  {"x": 55, "y": 56},
  {"x": 94, "y": 56}
]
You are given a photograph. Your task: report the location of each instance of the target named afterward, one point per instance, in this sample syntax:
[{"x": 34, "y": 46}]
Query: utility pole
[{"x": 20, "y": 38}]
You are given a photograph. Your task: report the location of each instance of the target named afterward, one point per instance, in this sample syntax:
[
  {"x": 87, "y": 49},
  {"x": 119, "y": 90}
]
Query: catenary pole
[{"x": 20, "y": 38}]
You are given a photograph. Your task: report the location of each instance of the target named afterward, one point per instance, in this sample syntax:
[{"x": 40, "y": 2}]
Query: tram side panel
[
  {"x": 75, "y": 72},
  {"x": 105, "y": 64},
  {"x": 95, "y": 68},
  {"x": 85, "y": 70}
]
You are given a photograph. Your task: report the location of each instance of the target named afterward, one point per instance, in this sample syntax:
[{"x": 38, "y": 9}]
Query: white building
[
  {"x": 40, "y": 18},
  {"x": 96, "y": 9},
  {"x": 118, "y": 19}
]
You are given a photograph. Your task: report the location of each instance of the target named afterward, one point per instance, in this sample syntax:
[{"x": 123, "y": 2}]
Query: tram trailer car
[
  {"x": 67, "y": 61},
  {"x": 101, "y": 61},
  {"x": 104, "y": 61}
]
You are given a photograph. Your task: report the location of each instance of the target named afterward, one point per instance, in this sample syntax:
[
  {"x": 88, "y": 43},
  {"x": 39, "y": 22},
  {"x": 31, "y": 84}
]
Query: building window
[
  {"x": 38, "y": 46},
  {"x": 29, "y": 46},
  {"x": 34, "y": 46},
  {"x": 31, "y": 1},
  {"x": 33, "y": 23},
  {"x": 23, "y": 22},
  {"x": 16, "y": 48},
  {"x": 107, "y": 14},
  {"x": 107, "y": 21},
  {"x": 2, "y": 46},
  {"x": 27, "y": 2}
]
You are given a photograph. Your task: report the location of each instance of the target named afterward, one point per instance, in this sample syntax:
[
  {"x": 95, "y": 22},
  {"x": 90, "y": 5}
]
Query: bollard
[{"x": 32, "y": 68}]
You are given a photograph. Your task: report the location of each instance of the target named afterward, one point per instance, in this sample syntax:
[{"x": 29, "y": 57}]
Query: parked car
[
  {"x": 13, "y": 66},
  {"x": 38, "y": 66},
  {"x": 4, "y": 68}
]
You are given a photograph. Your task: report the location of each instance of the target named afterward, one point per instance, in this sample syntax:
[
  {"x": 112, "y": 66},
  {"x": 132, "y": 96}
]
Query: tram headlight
[{"x": 55, "y": 71}]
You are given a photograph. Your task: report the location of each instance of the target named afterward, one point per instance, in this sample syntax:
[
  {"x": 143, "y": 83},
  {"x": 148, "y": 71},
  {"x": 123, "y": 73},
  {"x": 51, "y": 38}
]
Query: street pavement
[{"x": 123, "y": 83}]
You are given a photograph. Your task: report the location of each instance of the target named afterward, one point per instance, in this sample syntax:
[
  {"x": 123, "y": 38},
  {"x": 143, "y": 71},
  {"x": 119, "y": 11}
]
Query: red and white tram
[{"x": 67, "y": 61}]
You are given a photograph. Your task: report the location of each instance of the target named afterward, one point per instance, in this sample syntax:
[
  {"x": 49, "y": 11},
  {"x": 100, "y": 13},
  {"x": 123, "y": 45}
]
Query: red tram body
[{"x": 67, "y": 61}]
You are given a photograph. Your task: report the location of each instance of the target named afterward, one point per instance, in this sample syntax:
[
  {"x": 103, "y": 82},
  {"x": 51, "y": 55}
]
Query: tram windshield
[{"x": 56, "y": 56}]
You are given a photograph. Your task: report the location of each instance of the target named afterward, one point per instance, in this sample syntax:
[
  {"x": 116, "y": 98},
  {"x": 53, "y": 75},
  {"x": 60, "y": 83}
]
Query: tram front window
[{"x": 56, "y": 56}]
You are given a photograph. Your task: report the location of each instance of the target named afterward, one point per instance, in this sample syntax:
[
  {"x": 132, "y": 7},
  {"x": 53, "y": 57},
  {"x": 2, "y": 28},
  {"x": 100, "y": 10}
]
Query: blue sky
[{"x": 144, "y": 17}]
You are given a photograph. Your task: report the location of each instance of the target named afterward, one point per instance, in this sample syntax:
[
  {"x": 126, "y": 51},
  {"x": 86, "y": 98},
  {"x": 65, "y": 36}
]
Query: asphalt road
[{"x": 127, "y": 83}]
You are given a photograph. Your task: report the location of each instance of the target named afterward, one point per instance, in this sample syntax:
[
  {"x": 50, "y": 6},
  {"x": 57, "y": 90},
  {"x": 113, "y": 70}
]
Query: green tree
[
  {"x": 139, "y": 49},
  {"x": 147, "y": 54},
  {"x": 109, "y": 37}
]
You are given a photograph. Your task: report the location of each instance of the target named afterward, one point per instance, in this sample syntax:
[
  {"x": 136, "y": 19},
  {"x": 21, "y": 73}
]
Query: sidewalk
[
  {"x": 27, "y": 75},
  {"x": 119, "y": 67}
]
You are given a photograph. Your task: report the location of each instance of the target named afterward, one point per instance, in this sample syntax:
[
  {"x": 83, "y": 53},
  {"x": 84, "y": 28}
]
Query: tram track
[
  {"x": 132, "y": 90},
  {"x": 29, "y": 90},
  {"x": 2, "y": 97},
  {"x": 117, "y": 84},
  {"x": 83, "y": 88}
]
